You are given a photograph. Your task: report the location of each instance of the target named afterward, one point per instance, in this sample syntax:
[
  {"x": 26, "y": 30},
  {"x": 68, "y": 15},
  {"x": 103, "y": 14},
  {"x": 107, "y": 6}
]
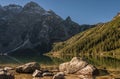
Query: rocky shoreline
[{"x": 77, "y": 68}]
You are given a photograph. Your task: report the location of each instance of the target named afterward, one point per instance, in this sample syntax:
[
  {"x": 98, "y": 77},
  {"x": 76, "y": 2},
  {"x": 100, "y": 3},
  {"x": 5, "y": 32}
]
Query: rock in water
[
  {"x": 6, "y": 75},
  {"x": 79, "y": 66},
  {"x": 59, "y": 75},
  {"x": 37, "y": 73},
  {"x": 28, "y": 68}
]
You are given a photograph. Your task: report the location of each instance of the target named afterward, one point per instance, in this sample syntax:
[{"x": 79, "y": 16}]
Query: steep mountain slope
[
  {"x": 32, "y": 27},
  {"x": 104, "y": 38}
]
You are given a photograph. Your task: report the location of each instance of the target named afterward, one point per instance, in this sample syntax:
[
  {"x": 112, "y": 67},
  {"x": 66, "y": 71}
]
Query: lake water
[{"x": 100, "y": 61}]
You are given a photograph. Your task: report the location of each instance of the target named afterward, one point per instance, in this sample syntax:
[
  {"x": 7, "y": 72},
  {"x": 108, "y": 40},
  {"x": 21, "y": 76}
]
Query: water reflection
[
  {"x": 25, "y": 59},
  {"x": 101, "y": 61}
]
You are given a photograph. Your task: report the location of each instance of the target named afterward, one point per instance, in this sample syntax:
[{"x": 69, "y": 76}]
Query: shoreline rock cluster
[
  {"x": 34, "y": 69},
  {"x": 76, "y": 66}
]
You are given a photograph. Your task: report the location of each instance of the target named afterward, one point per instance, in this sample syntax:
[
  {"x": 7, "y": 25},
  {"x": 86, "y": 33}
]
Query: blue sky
[{"x": 81, "y": 11}]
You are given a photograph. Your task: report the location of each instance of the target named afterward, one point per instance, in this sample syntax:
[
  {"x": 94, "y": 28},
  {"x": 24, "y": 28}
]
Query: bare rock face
[
  {"x": 78, "y": 66},
  {"x": 59, "y": 75},
  {"x": 28, "y": 68},
  {"x": 5, "y": 75},
  {"x": 32, "y": 27}
]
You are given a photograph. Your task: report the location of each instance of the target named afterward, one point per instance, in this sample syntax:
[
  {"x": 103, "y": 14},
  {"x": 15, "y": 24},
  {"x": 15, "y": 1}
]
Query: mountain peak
[
  {"x": 33, "y": 4},
  {"x": 33, "y": 7},
  {"x": 68, "y": 18}
]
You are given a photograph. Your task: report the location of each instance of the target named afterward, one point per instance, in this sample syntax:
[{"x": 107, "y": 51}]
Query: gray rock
[
  {"x": 88, "y": 70},
  {"x": 78, "y": 66},
  {"x": 73, "y": 66},
  {"x": 63, "y": 67},
  {"x": 28, "y": 68},
  {"x": 6, "y": 75},
  {"x": 47, "y": 74},
  {"x": 59, "y": 75},
  {"x": 8, "y": 68},
  {"x": 37, "y": 73}
]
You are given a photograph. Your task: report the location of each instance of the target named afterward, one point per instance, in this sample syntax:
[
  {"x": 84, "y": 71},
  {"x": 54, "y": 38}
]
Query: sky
[{"x": 81, "y": 11}]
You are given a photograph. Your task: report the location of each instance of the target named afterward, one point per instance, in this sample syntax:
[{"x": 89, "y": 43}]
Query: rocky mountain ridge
[{"x": 32, "y": 27}]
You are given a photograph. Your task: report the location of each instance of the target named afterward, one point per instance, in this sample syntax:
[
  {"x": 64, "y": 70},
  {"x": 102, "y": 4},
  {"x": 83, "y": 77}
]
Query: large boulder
[
  {"x": 5, "y": 75},
  {"x": 78, "y": 66},
  {"x": 73, "y": 66},
  {"x": 28, "y": 68},
  {"x": 59, "y": 75}
]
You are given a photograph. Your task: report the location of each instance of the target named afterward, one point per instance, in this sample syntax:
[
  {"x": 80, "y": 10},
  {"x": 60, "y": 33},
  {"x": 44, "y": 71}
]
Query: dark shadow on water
[
  {"x": 99, "y": 61},
  {"x": 25, "y": 59}
]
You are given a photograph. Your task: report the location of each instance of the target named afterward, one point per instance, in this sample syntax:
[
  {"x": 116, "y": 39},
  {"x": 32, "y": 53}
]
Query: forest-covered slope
[{"x": 104, "y": 38}]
